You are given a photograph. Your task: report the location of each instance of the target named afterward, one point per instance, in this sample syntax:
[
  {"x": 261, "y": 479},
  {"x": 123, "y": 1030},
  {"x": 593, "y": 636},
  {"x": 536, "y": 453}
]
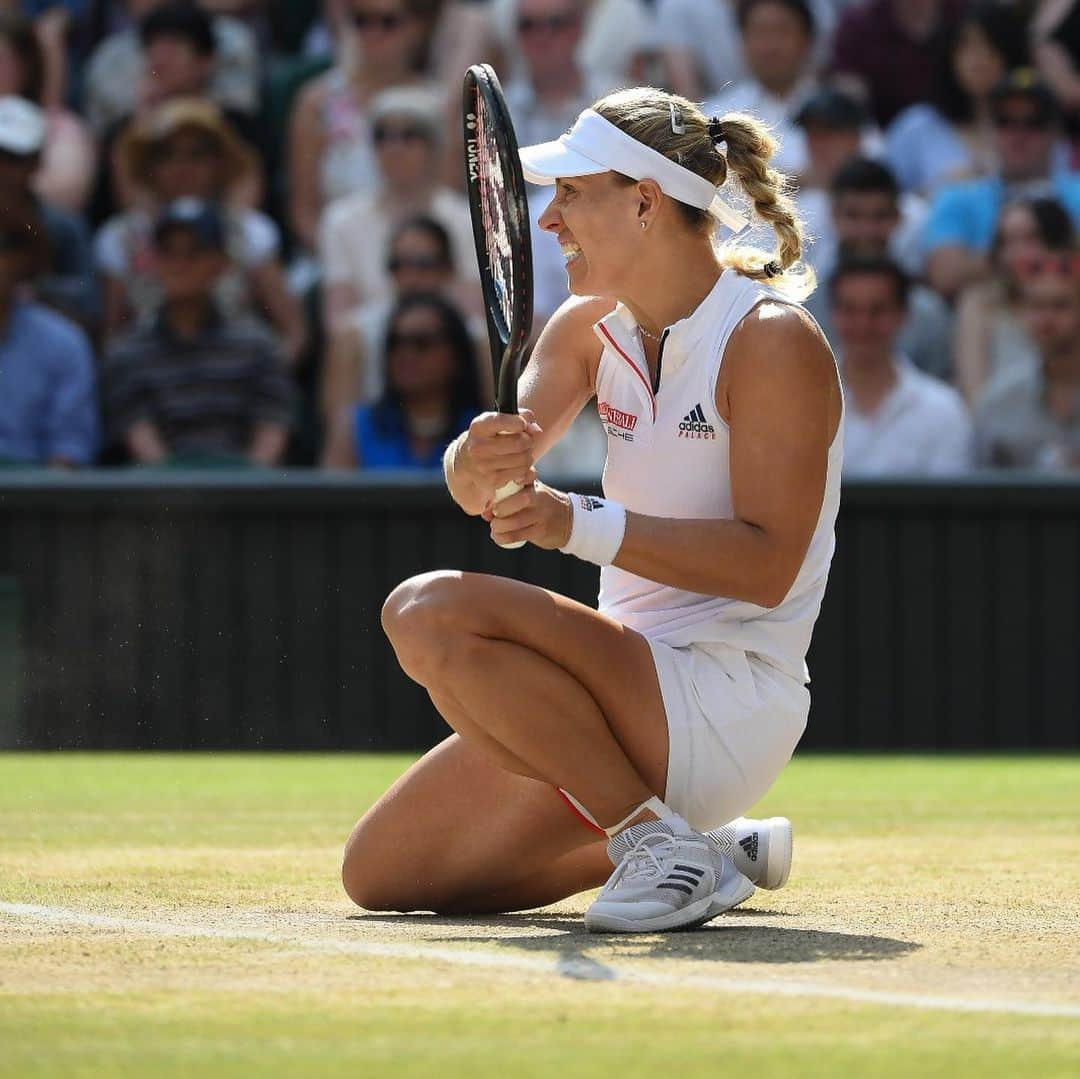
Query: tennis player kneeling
[{"x": 674, "y": 707}]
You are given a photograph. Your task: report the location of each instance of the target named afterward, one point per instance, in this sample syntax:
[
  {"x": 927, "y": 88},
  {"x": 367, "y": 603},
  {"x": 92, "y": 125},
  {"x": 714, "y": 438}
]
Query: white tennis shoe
[
  {"x": 667, "y": 876},
  {"x": 760, "y": 849}
]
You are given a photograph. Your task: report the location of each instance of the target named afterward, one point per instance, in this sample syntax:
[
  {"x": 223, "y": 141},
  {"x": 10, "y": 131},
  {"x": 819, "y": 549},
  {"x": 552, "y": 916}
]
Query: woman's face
[
  {"x": 386, "y": 34},
  {"x": 1019, "y": 242},
  {"x": 977, "y": 65},
  {"x": 417, "y": 263},
  {"x": 188, "y": 164},
  {"x": 405, "y": 151},
  {"x": 10, "y": 69},
  {"x": 419, "y": 356},
  {"x": 595, "y": 219}
]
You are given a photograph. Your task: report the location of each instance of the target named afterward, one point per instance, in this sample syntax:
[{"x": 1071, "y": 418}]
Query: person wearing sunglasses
[
  {"x": 419, "y": 261},
  {"x": 1027, "y": 128},
  {"x": 355, "y": 231},
  {"x": 331, "y": 153},
  {"x": 430, "y": 393}
]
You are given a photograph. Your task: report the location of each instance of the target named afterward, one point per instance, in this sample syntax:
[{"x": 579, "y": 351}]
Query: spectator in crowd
[
  {"x": 355, "y": 231},
  {"x": 898, "y": 419},
  {"x": 991, "y": 343},
  {"x": 116, "y": 70},
  {"x": 193, "y": 387},
  {"x": 701, "y": 48},
  {"x": 549, "y": 89},
  {"x": 550, "y": 86},
  {"x": 1055, "y": 30},
  {"x": 1033, "y": 420},
  {"x": 837, "y": 127},
  {"x": 67, "y": 282},
  {"x": 186, "y": 149},
  {"x": 616, "y": 39},
  {"x": 331, "y": 153},
  {"x": 963, "y": 216},
  {"x": 892, "y": 51},
  {"x": 419, "y": 260},
  {"x": 430, "y": 393},
  {"x": 48, "y": 403},
  {"x": 66, "y": 172},
  {"x": 180, "y": 50},
  {"x": 777, "y": 40},
  {"x": 951, "y": 136},
  {"x": 867, "y": 222}
]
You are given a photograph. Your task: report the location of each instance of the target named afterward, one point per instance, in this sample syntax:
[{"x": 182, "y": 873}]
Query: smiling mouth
[{"x": 570, "y": 252}]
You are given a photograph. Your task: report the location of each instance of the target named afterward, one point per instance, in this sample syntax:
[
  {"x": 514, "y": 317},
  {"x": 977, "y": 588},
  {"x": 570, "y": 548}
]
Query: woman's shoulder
[
  {"x": 576, "y": 316},
  {"x": 783, "y": 331}
]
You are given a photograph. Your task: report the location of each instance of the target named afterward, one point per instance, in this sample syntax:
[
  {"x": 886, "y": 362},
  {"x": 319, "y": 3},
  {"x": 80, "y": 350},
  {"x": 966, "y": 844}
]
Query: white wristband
[{"x": 597, "y": 527}]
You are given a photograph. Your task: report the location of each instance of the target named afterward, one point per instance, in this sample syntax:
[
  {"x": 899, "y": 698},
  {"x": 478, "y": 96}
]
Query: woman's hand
[
  {"x": 538, "y": 514},
  {"x": 497, "y": 450}
]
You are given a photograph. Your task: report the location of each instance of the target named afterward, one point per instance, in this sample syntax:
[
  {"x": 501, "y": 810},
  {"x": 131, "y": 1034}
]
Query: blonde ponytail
[
  {"x": 749, "y": 148},
  {"x": 733, "y": 145}
]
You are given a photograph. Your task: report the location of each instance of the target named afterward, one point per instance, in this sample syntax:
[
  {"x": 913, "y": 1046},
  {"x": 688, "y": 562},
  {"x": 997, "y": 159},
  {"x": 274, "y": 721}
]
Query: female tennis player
[{"x": 675, "y": 706}]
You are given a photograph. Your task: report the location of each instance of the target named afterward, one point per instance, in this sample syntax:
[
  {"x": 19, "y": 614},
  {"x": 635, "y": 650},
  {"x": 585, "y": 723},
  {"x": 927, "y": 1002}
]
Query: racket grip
[{"x": 506, "y": 491}]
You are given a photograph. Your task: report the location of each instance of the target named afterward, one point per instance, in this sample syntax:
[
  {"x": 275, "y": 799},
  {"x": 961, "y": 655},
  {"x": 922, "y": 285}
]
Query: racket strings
[{"x": 495, "y": 208}]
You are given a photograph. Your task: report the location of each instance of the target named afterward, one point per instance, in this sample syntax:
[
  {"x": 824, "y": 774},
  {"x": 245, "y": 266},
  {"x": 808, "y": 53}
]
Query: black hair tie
[
  {"x": 772, "y": 269},
  {"x": 716, "y": 130}
]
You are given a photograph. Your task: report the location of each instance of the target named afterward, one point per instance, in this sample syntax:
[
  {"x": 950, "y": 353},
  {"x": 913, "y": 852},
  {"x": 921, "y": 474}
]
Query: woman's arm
[
  {"x": 554, "y": 387},
  {"x": 342, "y": 375},
  {"x": 779, "y": 394},
  {"x": 971, "y": 340},
  {"x": 340, "y": 449},
  {"x": 66, "y": 176},
  {"x": 307, "y": 143},
  {"x": 781, "y": 401},
  {"x": 280, "y": 306}
]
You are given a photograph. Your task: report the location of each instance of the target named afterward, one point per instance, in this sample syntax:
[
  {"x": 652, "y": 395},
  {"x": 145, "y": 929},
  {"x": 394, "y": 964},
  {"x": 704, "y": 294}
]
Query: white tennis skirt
[{"x": 733, "y": 723}]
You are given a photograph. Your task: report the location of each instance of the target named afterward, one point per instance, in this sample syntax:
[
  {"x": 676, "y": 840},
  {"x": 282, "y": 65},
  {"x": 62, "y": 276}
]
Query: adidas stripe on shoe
[{"x": 667, "y": 877}]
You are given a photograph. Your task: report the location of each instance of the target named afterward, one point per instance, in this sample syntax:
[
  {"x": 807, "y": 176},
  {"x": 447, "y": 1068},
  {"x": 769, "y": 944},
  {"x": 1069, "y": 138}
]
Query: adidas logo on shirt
[{"x": 694, "y": 425}]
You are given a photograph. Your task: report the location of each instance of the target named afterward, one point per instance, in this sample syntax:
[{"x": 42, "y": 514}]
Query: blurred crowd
[{"x": 234, "y": 231}]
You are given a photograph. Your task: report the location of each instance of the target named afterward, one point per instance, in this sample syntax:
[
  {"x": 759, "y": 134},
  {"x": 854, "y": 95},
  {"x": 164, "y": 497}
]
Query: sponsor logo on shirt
[
  {"x": 616, "y": 422},
  {"x": 694, "y": 424}
]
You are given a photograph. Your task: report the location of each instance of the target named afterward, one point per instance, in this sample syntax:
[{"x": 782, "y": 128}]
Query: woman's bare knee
[
  {"x": 425, "y": 619},
  {"x": 371, "y": 877}
]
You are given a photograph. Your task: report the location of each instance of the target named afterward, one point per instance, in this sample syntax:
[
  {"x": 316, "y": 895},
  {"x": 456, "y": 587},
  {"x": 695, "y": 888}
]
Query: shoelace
[{"x": 643, "y": 861}]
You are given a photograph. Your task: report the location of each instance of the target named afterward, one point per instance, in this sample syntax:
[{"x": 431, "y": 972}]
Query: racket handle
[{"x": 506, "y": 491}]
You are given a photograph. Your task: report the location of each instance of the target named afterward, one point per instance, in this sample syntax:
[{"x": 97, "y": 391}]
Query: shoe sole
[
  {"x": 696, "y": 914},
  {"x": 778, "y": 864}
]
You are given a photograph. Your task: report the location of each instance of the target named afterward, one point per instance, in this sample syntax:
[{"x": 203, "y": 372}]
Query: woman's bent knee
[{"x": 425, "y": 619}]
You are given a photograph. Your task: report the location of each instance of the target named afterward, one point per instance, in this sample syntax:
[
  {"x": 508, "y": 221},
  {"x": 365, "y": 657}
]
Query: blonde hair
[{"x": 651, "y": 116}]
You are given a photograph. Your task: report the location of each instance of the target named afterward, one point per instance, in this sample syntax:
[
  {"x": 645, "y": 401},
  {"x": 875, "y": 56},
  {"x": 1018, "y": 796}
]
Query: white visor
[{"x": 594, "y": 145}]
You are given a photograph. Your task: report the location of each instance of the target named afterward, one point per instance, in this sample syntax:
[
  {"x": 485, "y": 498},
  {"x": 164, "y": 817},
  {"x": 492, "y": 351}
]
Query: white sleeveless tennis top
[{"x": 668, "y": 456}]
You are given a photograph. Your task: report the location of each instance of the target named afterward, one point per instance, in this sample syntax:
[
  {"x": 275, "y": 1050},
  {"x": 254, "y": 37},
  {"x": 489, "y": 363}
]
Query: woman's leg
[
  {"x": 569, "y": 695},
  {"x": 543, "y": 692},
  {"x": 459, "y": 834}
]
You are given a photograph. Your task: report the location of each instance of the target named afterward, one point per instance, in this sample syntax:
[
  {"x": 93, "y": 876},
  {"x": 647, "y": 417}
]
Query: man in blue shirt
[
  {"x": 963, "y": 217},
  {"x": 48, "y": 401}
]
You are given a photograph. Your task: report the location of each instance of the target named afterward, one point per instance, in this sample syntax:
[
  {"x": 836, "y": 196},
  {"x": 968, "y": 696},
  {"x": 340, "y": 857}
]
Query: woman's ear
[{"x": 649, "y": 196}]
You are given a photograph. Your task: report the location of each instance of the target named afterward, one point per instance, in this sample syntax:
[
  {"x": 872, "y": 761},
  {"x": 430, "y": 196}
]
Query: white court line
[{"x": 574, "y": 967}]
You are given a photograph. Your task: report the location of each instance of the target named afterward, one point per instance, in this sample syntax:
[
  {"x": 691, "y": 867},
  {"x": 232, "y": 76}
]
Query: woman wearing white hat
[{"x": 675, "y": 706}]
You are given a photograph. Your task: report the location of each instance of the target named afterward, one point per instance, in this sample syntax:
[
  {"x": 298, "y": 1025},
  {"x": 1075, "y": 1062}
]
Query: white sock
[{"x": 654, "y": 805}]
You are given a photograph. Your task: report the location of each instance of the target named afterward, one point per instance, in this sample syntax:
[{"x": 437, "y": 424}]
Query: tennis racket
[{"x": 500, "y": 219}]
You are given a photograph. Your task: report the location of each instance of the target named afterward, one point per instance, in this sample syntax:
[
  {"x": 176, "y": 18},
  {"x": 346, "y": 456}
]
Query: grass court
[{"x": 181, "y": 915}]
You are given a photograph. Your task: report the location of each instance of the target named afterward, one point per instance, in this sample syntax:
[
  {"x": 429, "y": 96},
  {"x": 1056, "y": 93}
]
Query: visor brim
[{"x": 546, "y": 162}]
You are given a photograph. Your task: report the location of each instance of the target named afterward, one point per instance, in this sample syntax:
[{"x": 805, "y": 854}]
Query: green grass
[{"x": 956, "y": 876}]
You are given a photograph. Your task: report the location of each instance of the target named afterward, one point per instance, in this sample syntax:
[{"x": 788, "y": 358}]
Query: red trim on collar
[{"x": 637, "y": 370}]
